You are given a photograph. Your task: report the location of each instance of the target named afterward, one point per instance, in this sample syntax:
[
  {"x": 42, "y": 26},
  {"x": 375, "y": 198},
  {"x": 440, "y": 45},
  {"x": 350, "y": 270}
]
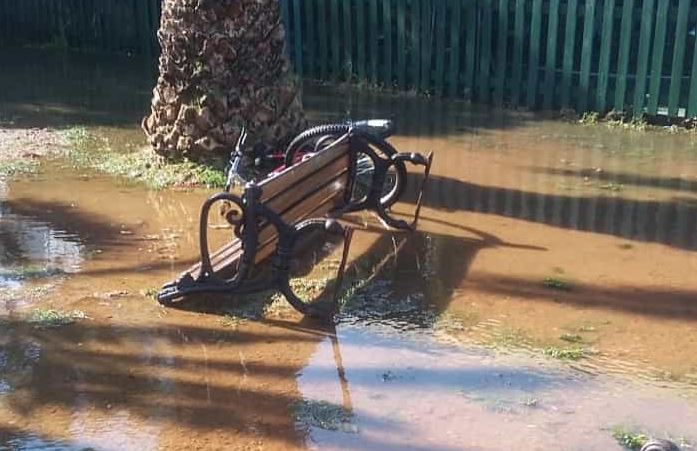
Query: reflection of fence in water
[{"x": 672, "y": 222}]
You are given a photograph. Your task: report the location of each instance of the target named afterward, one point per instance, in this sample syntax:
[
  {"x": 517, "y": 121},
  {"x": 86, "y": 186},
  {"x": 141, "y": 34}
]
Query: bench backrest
[{"x": 308, "y": 189}]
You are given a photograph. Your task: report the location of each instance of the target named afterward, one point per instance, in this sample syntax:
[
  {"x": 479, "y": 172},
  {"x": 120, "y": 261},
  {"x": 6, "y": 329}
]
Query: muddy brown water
[{"x": 532, "y": 230}]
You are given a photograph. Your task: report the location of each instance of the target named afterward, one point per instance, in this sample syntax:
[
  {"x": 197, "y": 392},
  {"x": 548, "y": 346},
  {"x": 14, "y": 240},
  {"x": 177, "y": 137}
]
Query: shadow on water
[{"x": 169, "y": 375}]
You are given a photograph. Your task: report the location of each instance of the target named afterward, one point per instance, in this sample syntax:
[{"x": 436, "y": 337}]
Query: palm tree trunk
[{"x": 222, "y": 66}]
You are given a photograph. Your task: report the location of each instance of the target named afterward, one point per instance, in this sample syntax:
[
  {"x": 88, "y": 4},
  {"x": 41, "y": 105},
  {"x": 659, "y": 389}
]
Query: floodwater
[{"x": 537, "y": 237}]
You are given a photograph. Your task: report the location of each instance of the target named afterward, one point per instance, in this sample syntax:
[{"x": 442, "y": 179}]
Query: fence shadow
[{"x": 673, "y": 223}]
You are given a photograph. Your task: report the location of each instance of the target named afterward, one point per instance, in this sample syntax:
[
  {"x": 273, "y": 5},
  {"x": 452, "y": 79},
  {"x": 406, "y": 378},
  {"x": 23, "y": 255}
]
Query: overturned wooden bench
[{"x": 272, "y": 218}]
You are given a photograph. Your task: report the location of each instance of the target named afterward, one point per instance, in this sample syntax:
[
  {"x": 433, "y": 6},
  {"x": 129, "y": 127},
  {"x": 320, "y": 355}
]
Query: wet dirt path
[{"x": 538, "y": 239}]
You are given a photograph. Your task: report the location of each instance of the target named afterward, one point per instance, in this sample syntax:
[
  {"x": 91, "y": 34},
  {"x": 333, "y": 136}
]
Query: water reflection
[
  {"x": 417, "y": 393},
  {"x": 31, "y": 248}
]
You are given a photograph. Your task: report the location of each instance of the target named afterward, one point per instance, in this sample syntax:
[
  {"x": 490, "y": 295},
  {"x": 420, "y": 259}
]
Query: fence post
[
  {"x": 426, "y": 43},
  {"x": 604, "y": 63},
  {"x": 586, "y": 55},
  {"x": 415, "y": 56},
  {"x": 518, "y": 42},
  {"x": 471, "y": 49},
  {"x": 485, "y": 61},
  {"x": 569, "y": 48},
  {"x": 534, "y": 57},
  {"x": 643, "y": 61},
  {"x": 623, "y": 63},
  {"x": 401, "y": 43},
  {"x": 439, "y": 28},
  {"x": 551, "y": 59},
  {"x": 361, "y": 33},
  {"x": 659, "y": 42},
  {"x": 348, "y": 38},
  {"x": 455, "y": 31},
  {"x": 335, "y": 37},
  {"x": 297, "y": 38},
  {"x": 678, "y": 57},
  {"x": 323, "y": 44},
  {"x": 387, "y": 41},
  {"x": 310, "y": 39}
]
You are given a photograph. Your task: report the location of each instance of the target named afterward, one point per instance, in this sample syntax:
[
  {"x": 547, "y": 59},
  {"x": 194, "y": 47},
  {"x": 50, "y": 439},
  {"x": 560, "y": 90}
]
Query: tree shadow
[{"x": 179, "y": 383}]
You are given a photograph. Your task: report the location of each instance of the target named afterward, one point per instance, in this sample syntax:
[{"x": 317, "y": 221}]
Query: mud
[{"x": 536, "y": 235}]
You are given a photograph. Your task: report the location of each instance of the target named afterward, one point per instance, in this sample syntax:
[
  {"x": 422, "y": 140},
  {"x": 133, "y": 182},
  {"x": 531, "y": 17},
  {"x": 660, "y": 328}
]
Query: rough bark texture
[{"x": 222, "y": 66}]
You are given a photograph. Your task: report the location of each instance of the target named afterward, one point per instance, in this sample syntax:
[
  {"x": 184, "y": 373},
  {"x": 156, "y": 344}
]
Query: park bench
[{"x": 272, "y": 218}]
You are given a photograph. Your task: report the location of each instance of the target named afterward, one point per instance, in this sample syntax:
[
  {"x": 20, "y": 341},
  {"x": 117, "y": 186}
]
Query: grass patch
[
  {"x": 13, "y": 168},
  {"x": 150, "y": 293},
  {"x": 590, "y": 118},
  {"x": 557, "y": 283},
  {"x": 612, "y": 186},
  {"x": 53, "y": 318},
  {"x": 450, "y": 323},
  {"x": 324, "y": 415},
  {"x": 629, "y": 439},
  {"x": 571, "y": 338},
  {"x": 144, "y": 165},
  {"x": 232, "y": 321},
  {"x": 29, "y": 272},
  {"x": 564, "y": 353},
  {"x": 510, "y": 338}
]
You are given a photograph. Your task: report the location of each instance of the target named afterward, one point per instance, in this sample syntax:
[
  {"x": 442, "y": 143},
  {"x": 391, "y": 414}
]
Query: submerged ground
[{"x": 549, "y": 299}]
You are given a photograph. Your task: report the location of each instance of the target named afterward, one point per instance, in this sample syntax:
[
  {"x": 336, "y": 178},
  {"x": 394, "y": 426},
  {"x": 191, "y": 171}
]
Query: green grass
[
  {"x": 590, "y": 118},
  {"x": 53, "y": 318},
  {"x": 88, "y": 150},
  {"x": 629, "y": 439},
  {"x": 11, "y": 168},
  {"x": 510, "y": 338},
  {"x": 324, "y": 415},
  {"x": 557, "y": 283},
  {"x": 565, "y": 353},
  {"x": 150, "y": 292},
  {"x": 612, "y": 186},
  {"x": 571, "y": 338},
  {"x": 28, "y": 272}
]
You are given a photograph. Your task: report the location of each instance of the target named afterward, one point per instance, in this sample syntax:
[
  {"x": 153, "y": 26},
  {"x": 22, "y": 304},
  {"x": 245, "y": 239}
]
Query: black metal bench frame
[{"x": 250, "y": 212}]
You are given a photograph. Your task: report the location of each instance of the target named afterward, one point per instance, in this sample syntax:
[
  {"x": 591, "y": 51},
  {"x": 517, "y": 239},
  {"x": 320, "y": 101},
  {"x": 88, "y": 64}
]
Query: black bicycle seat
[{"x": 381, "y": 128}]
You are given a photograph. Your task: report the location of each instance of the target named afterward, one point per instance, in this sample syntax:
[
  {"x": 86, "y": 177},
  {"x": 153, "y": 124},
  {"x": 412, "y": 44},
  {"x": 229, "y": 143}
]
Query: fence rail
[{"x": 629, "y": 55}]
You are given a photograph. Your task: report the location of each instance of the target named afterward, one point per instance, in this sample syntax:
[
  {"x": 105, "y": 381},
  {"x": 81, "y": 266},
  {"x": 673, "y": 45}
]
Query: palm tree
[{"x": 222, "y": 66}]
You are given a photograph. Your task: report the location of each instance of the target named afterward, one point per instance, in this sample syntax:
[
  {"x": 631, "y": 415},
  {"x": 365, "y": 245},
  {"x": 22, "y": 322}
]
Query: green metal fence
[
  {"x": 636, "y": 55},
  {"x": 629, "y": 55}
]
